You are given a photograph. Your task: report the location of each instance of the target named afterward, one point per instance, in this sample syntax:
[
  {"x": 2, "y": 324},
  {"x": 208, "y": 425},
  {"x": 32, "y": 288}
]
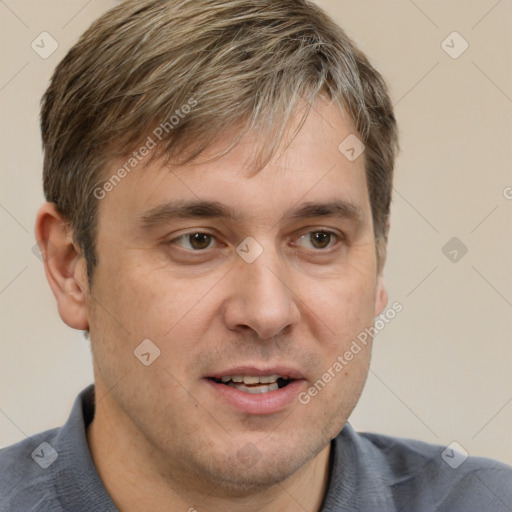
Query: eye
[
  {"x": 195, "y": 241},
  {"x": 320, "y": 239}
]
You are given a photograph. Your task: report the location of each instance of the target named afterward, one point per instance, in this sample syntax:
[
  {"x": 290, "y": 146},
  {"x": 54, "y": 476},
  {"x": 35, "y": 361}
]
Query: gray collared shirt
[{"x": 53, "y": 471}]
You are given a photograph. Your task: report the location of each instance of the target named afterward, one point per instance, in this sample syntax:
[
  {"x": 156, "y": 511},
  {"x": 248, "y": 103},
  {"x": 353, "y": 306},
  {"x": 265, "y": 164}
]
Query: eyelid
[
  {"x": 174, "y": 240},
  {"x": 339, "y": 236}
]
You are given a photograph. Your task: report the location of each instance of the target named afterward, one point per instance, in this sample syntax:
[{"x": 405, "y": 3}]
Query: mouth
[
  {"x": 256, "y": 391},
  {"x": 254, "y": 384}
]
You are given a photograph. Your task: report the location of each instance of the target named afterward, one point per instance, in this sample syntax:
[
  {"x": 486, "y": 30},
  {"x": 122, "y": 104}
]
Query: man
[{"x": 218, "y": 176}]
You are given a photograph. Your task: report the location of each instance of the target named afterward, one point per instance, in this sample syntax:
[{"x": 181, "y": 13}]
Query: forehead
[{"x": 308, "y": 168}]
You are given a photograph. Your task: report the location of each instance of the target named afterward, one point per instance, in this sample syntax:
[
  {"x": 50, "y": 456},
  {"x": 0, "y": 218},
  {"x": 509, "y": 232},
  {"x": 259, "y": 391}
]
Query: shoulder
[
  {"x": 53, "y": 470},
  {"x": 27, "y": 480},
  {"x": 420, "y": 474}
]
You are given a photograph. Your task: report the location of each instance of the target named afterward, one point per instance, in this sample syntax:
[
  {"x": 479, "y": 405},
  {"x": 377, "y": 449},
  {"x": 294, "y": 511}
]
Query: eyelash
[{"x": 337, "y": 238}]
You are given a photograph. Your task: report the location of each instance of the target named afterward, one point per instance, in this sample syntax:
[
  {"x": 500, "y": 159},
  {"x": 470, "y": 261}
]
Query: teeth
[
  {"x": 255, "y": 389},
  {"x": 268, "y": 379},
  {"x": 251, "y": 379}
]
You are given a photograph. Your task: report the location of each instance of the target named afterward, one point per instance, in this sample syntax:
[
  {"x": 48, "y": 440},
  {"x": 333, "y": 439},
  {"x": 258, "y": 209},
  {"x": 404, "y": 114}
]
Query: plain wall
[{"x": 441, "y": 368}]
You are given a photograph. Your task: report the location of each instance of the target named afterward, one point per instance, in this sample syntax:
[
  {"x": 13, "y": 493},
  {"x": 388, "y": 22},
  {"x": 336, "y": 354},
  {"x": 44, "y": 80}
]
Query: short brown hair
[{"x": 242, "y": 62}]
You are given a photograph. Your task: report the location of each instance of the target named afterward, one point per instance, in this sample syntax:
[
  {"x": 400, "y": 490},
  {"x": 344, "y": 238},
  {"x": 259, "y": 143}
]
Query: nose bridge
[{"x": 262, "y": 299}]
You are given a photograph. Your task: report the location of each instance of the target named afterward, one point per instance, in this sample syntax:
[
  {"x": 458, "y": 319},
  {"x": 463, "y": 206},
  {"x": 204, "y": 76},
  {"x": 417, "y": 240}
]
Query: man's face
[{"x": 287, "y": 302}]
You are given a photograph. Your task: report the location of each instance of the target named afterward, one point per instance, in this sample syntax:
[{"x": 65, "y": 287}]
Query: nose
[{"x": 262, "y": 298}]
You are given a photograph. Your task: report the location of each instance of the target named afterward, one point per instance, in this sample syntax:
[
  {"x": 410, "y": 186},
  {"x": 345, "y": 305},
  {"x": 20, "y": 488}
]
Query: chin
[
  {"x": 240, "y": 476},
  {"x": 242, "y": 481}
]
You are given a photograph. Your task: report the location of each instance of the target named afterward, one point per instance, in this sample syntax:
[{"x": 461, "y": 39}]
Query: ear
[
  {"x": 64, "y": 266},
  {"x": 381, "y": 298}
]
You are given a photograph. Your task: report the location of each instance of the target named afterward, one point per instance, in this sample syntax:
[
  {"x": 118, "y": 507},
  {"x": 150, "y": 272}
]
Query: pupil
[
  {"x": 200, "y": 240},
  {"x": 321, "y": 239}
]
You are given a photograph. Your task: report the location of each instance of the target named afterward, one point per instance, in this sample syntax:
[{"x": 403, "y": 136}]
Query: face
[{"x": 265, "y": 277}]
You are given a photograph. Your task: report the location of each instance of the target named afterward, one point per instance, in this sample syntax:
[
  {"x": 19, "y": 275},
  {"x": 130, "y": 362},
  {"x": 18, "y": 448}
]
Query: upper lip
[{"x": 261, "y": 371}]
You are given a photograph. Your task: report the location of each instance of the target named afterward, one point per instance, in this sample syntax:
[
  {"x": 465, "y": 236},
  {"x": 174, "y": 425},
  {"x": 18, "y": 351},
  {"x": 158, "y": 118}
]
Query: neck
[{"x": 131, "y": 471}]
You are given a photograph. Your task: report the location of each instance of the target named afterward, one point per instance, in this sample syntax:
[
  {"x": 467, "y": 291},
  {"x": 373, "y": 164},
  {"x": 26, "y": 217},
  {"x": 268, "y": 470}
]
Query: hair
[{"x": 183, "y": 71}]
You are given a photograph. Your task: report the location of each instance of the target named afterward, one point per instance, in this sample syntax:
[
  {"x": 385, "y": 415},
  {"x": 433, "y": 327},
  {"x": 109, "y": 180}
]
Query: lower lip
[{"x": 258, "y": 403}]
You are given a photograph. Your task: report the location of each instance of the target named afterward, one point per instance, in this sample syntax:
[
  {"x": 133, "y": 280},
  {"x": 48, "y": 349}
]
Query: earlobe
[{"x": 64, "y": 266}]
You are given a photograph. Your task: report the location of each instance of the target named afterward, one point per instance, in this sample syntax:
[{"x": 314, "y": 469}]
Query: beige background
[{"x": 442, "y": 368}]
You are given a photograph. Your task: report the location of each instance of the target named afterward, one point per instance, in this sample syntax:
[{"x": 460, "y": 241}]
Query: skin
[{"x": 300, "y": 303}]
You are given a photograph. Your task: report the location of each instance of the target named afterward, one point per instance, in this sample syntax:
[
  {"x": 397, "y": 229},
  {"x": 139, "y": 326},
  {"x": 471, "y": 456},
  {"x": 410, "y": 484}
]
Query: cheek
[
  {"x": 139, "y": 298},
  {"x": 345, "y": 304}
]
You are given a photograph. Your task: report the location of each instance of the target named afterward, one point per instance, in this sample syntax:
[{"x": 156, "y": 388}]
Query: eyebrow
[{"x": 199, "y": 209}]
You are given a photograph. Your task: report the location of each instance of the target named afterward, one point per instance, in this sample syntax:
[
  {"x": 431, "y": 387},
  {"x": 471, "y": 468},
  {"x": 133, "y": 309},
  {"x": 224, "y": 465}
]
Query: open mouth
[{"x": 254, "y": 384}]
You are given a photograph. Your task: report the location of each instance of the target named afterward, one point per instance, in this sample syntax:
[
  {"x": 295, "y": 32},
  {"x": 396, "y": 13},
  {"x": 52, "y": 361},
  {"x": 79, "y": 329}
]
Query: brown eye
[
  {"x": 195, "y": 241},
  {"x": 320, "y": 239},
  {"x": 199, "y": 241}
]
